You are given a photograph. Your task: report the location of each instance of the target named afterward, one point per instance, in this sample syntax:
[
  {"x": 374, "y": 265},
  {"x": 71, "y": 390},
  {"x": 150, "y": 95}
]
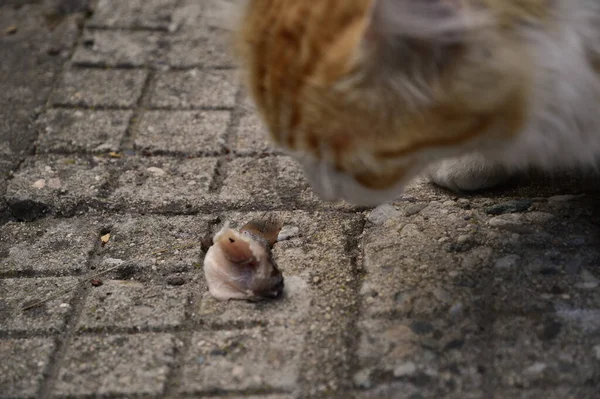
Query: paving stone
[
  {"x": 60, "y": 184},
  {"x": 406, "y": 263},
  {"x": 152, "y": 247},
  {"x": 251, "y": 137},
  {"x": 49, "y": 316},
  {"x": 193, "y": 89},
  {"x": 116, "y": 364},
  {"x": 188, "y": 132},
  {"x": 23, "y": 362},
  {"x": 527, "y": 355},
  {"x": 404, "y": 390},
  {"x": 116, "y": 49},
  {"x": 100, "y": 87},
  {"x": 196, "y": 47},
  {"x": 191, "y": 14},
  {"x": 131, "y": 304},
  {"x": 557, "y": 392},
  {"x": 256, "y": 358},
  {"x": 302, "y": 260},
  {"x": 427, "y": 357},
  {"x": 317, "y": 256},
  {"x": 270, "y": 181},
  {"x": 68, "y": 131},
  {"x": 47, "y": 245},
  {"x": 161, "y": 184},
  {"x": 149, "y": 14}
]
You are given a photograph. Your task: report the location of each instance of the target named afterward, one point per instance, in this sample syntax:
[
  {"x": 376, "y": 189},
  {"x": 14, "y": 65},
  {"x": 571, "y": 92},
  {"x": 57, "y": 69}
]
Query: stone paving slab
[
  {"x": 161, "y": 184},
  {"x": 196, "y": 47},
  {"x": 196, "y": 133},
  {"x": 155, "y": 245},
  {"x": 133, "y": 305},
  {"x": 149, "y": 14},
  {"x": 82, "y": 131},
  {"x": 61, "y": 184},
  {"x": 24, "y": 361},
  {"x": 100, "y": 88},
  {"x": 48, "y": 317},
  {"x": 47, "y": 246},
  {"x": 194, "y": 89},
  {"x": 303, "y": 266},
  {"x": 243, "y": 360},
  {"x": 250, "y": 137},
  {"x": 116, "y": 49},
  {"x": 268, "y": 181},
  {"x": 116, "y": 364}
]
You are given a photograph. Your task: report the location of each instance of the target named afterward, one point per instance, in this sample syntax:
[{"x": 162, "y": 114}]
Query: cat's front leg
[{"x": 467, "y": 173}]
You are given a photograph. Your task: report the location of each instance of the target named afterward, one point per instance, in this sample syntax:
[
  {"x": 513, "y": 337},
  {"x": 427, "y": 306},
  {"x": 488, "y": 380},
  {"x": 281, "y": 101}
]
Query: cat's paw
[{"x": 469, "y": 173}]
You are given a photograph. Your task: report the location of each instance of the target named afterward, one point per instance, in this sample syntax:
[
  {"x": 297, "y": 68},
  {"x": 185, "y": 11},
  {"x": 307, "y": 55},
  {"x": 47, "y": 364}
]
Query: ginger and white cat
[{"x": 367, "y": 94}]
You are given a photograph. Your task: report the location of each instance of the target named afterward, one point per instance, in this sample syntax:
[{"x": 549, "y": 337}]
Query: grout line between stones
[
  {"x": 356, "y": 253},
  {"x": 151, "y": 66},
  {"x": 87, "y": 107},
  {"x": 127, "y": 143},
  {"x": 64, "y": 339},
  {"x": 220, "y": 172}
]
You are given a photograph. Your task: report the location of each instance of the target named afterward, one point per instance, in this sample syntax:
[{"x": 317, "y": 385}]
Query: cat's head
[{"x": 366, "y": 93}]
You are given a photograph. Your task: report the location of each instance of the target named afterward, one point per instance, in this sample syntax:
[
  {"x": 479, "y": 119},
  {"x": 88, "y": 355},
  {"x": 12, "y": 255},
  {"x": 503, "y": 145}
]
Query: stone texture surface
[
  {"x": 47, "y": 246},
  {"x": 100, "y": 87},
  {"x": 162, "y": 184},
  {"x": 23, "y": 362},
  {"x": 118, "y": 364},
  {"x": 116, "y": 49},
  {"x": 182, "y": 132},
  {"x": 61, "y": 184},
  {"x": 72, "y": 131},
  {"x": 243, "y": 360},
  {"x": 126, "y": 143},
  {"x": 18, "y": 294},
  {"x": 194, "y": 89},
  {"x": 250, "y": 138}
]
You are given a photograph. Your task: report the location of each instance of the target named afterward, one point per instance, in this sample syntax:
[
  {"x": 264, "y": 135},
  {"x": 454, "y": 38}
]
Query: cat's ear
[{"x": 434, "y": 21}]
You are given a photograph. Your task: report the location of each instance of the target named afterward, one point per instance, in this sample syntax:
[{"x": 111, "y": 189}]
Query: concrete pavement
[{"x": 125, "y": 118}]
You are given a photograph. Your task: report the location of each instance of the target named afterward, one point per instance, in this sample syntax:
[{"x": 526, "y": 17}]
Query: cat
[{"x": 368, "y": 94}]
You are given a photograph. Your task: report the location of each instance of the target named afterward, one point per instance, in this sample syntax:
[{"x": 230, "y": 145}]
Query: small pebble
[
  {"x": 156, "y": 171},
  {"x": 509, "y": 207},
  {"x": 587, "y": 276},
  {"x": 39, "y": 184},
  {"x": 316, "y": 279},
  {"x": 421, "y": 327},
  {"x": 536, "y": 368},
  {"x": 456, "y": 309},
  {"x": 288, "y": 232},
  {"x": 464, "y": 203},
  {"x": 379, "y": 215},
  {"x": 96, "y": 283},
  {"x": 175, "y": 280},
  {"x": 11, "y": 30},
  {"x": 442, "y": 295},
  {"x": 362, "y": 379},
  {"x": 414, "y": 209},
  {"x": 462, "y": 239},
  {"x": 507, "y": 262},
  {"x": 408, "y": 368}
]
